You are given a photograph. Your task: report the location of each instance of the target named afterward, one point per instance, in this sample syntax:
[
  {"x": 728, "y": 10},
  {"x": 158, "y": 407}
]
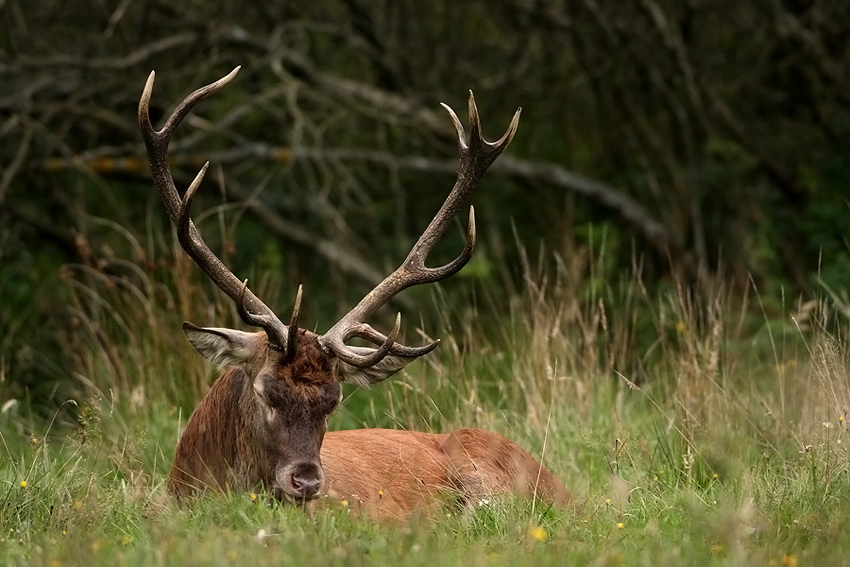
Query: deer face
[{"x": 288, "y": 401}]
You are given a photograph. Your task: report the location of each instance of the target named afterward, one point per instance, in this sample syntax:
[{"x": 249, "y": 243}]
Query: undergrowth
[{"x": 691, "y": 427}]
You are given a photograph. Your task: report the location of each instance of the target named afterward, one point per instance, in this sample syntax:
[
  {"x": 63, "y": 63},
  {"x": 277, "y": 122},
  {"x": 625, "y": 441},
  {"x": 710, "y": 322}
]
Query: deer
[{"x": 262, "y": 425}]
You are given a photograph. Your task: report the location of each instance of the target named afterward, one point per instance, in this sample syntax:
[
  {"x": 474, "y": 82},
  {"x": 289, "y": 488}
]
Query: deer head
[{"x": 289, "y": 381}]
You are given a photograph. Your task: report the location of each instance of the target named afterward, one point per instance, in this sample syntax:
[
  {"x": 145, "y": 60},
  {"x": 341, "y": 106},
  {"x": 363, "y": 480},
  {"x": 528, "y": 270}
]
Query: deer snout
[{"x": 301, "y": 481}]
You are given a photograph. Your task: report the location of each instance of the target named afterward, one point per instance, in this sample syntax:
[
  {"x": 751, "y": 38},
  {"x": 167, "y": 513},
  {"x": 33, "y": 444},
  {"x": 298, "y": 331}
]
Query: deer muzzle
[{"x": 301, "y": 480}]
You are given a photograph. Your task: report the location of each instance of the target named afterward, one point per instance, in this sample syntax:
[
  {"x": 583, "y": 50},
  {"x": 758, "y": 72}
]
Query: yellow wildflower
[
  {"x": 537, "y": 533},
  {"x": 23, "y": 484},
  {"x": 253, "y": 496},
  {"x": 789, "y": 560},
  {"x": 620, "y": 525}
]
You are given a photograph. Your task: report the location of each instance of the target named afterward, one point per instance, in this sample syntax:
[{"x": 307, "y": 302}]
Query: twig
[
  {"x": 16, "y": 163},
  {"x": 106, "y": 63},
  {"x": 556, "y": 175},
  {"x": 345, "y": 262}
]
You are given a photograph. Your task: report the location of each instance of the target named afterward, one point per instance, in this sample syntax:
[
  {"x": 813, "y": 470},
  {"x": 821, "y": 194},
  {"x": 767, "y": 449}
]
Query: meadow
[{"x": 694, "y": 426}]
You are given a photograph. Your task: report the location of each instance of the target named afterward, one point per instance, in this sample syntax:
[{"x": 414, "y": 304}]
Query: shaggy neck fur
[{"x": 219, "y": 447}]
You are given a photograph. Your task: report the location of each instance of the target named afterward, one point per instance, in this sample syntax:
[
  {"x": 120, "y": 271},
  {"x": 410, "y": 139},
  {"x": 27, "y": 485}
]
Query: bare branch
[
  {"x": 554, "y": 174},
  {"x": 106, "y": 63},
  {"x": 346, "y": 262},
  {"x": 16, "y": 163}
]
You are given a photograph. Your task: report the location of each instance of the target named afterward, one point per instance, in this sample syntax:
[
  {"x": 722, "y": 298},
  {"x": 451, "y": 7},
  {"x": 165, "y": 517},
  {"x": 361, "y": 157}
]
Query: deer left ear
[
  {"x": 225, "y": 347},
  {"x": 388, "y": 366}
]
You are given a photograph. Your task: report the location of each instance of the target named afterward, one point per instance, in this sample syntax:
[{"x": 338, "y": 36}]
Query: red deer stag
[{"x": 263, "y": 422}]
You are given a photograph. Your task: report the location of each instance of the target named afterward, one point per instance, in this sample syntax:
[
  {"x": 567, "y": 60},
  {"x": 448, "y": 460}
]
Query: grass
[{"x": 692, "y": 428}]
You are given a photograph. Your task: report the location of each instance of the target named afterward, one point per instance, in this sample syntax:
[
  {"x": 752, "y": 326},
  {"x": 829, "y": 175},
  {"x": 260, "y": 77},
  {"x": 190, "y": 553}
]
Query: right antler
[
  {"x": 476, "y": 155},
  {"x": 253, "y": 311}
]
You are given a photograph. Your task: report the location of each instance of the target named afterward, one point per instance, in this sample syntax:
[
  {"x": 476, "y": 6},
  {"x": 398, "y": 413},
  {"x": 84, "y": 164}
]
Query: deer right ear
[{"x": 225, "y": 347}]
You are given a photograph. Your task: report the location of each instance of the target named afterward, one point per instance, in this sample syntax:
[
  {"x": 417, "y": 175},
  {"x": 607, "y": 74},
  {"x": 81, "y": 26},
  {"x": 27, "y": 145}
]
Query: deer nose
[
  {"x": 302, "y": 481},
  {"x": 306, "y": 486}
]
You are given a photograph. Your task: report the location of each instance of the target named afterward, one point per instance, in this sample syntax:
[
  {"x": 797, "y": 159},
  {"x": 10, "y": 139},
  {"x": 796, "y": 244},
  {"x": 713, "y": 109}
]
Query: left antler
[{"x": 476, "y": 155}]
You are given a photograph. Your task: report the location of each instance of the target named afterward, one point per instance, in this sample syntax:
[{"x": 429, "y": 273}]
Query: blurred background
[{"x": 672, "y": 143}]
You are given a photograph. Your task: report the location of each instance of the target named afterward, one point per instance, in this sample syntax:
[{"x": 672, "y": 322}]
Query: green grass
[{"x": 691, "y": 428}]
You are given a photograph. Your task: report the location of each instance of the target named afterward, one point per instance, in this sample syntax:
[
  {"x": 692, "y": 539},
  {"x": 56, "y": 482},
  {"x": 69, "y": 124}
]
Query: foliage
[{"x": 701, "y": 138}]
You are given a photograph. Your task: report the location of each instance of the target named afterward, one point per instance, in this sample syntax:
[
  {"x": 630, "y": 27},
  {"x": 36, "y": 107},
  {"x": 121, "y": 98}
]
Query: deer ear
[
  {"x": 388, "y": 366},
  {"x": 225, "y": 347}
]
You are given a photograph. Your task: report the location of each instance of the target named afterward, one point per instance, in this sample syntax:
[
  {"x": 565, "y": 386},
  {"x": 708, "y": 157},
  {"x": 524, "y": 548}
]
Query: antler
[
  {"x": 253, "y": 311},
  {"x": 476, "y": 155}
]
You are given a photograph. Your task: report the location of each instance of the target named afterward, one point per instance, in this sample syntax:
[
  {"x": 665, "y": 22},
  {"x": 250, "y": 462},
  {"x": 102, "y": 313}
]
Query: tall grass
[{"x": 691, "y": 426}]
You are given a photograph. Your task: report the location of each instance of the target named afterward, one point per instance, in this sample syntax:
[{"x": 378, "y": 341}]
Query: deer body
[
  {"x": 263, "y": 422},
  {"x": 420, "y": 471},
  {"x": 384, "y": 473}
]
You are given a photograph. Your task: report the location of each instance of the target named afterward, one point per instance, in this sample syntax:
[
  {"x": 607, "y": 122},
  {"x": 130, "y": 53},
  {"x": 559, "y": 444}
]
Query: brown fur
[
  {"x": 229, "y": 443},
  {"x": 211, "y": 453},
  {"x": 393, "y": 474}
]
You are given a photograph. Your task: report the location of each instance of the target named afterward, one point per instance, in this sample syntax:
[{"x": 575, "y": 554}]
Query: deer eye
[
  {"x": 260, "y": 391},
  {"x": 268, "y": 409}
]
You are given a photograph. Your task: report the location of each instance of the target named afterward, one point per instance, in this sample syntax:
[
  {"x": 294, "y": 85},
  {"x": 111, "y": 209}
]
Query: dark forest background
[{"x": 683, "y": 140}]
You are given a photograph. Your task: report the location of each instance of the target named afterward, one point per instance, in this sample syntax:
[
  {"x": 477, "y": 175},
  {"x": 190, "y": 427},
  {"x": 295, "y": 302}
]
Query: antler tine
[
  {"x": 264, "y": 319},
  {"x": 476, "y": 155},
  {"x": 253, "y": 311},
  {"x": 292, "y": 330}
]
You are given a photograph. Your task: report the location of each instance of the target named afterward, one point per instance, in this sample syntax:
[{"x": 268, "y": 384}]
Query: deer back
[{"x": 394, "y": 474}]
